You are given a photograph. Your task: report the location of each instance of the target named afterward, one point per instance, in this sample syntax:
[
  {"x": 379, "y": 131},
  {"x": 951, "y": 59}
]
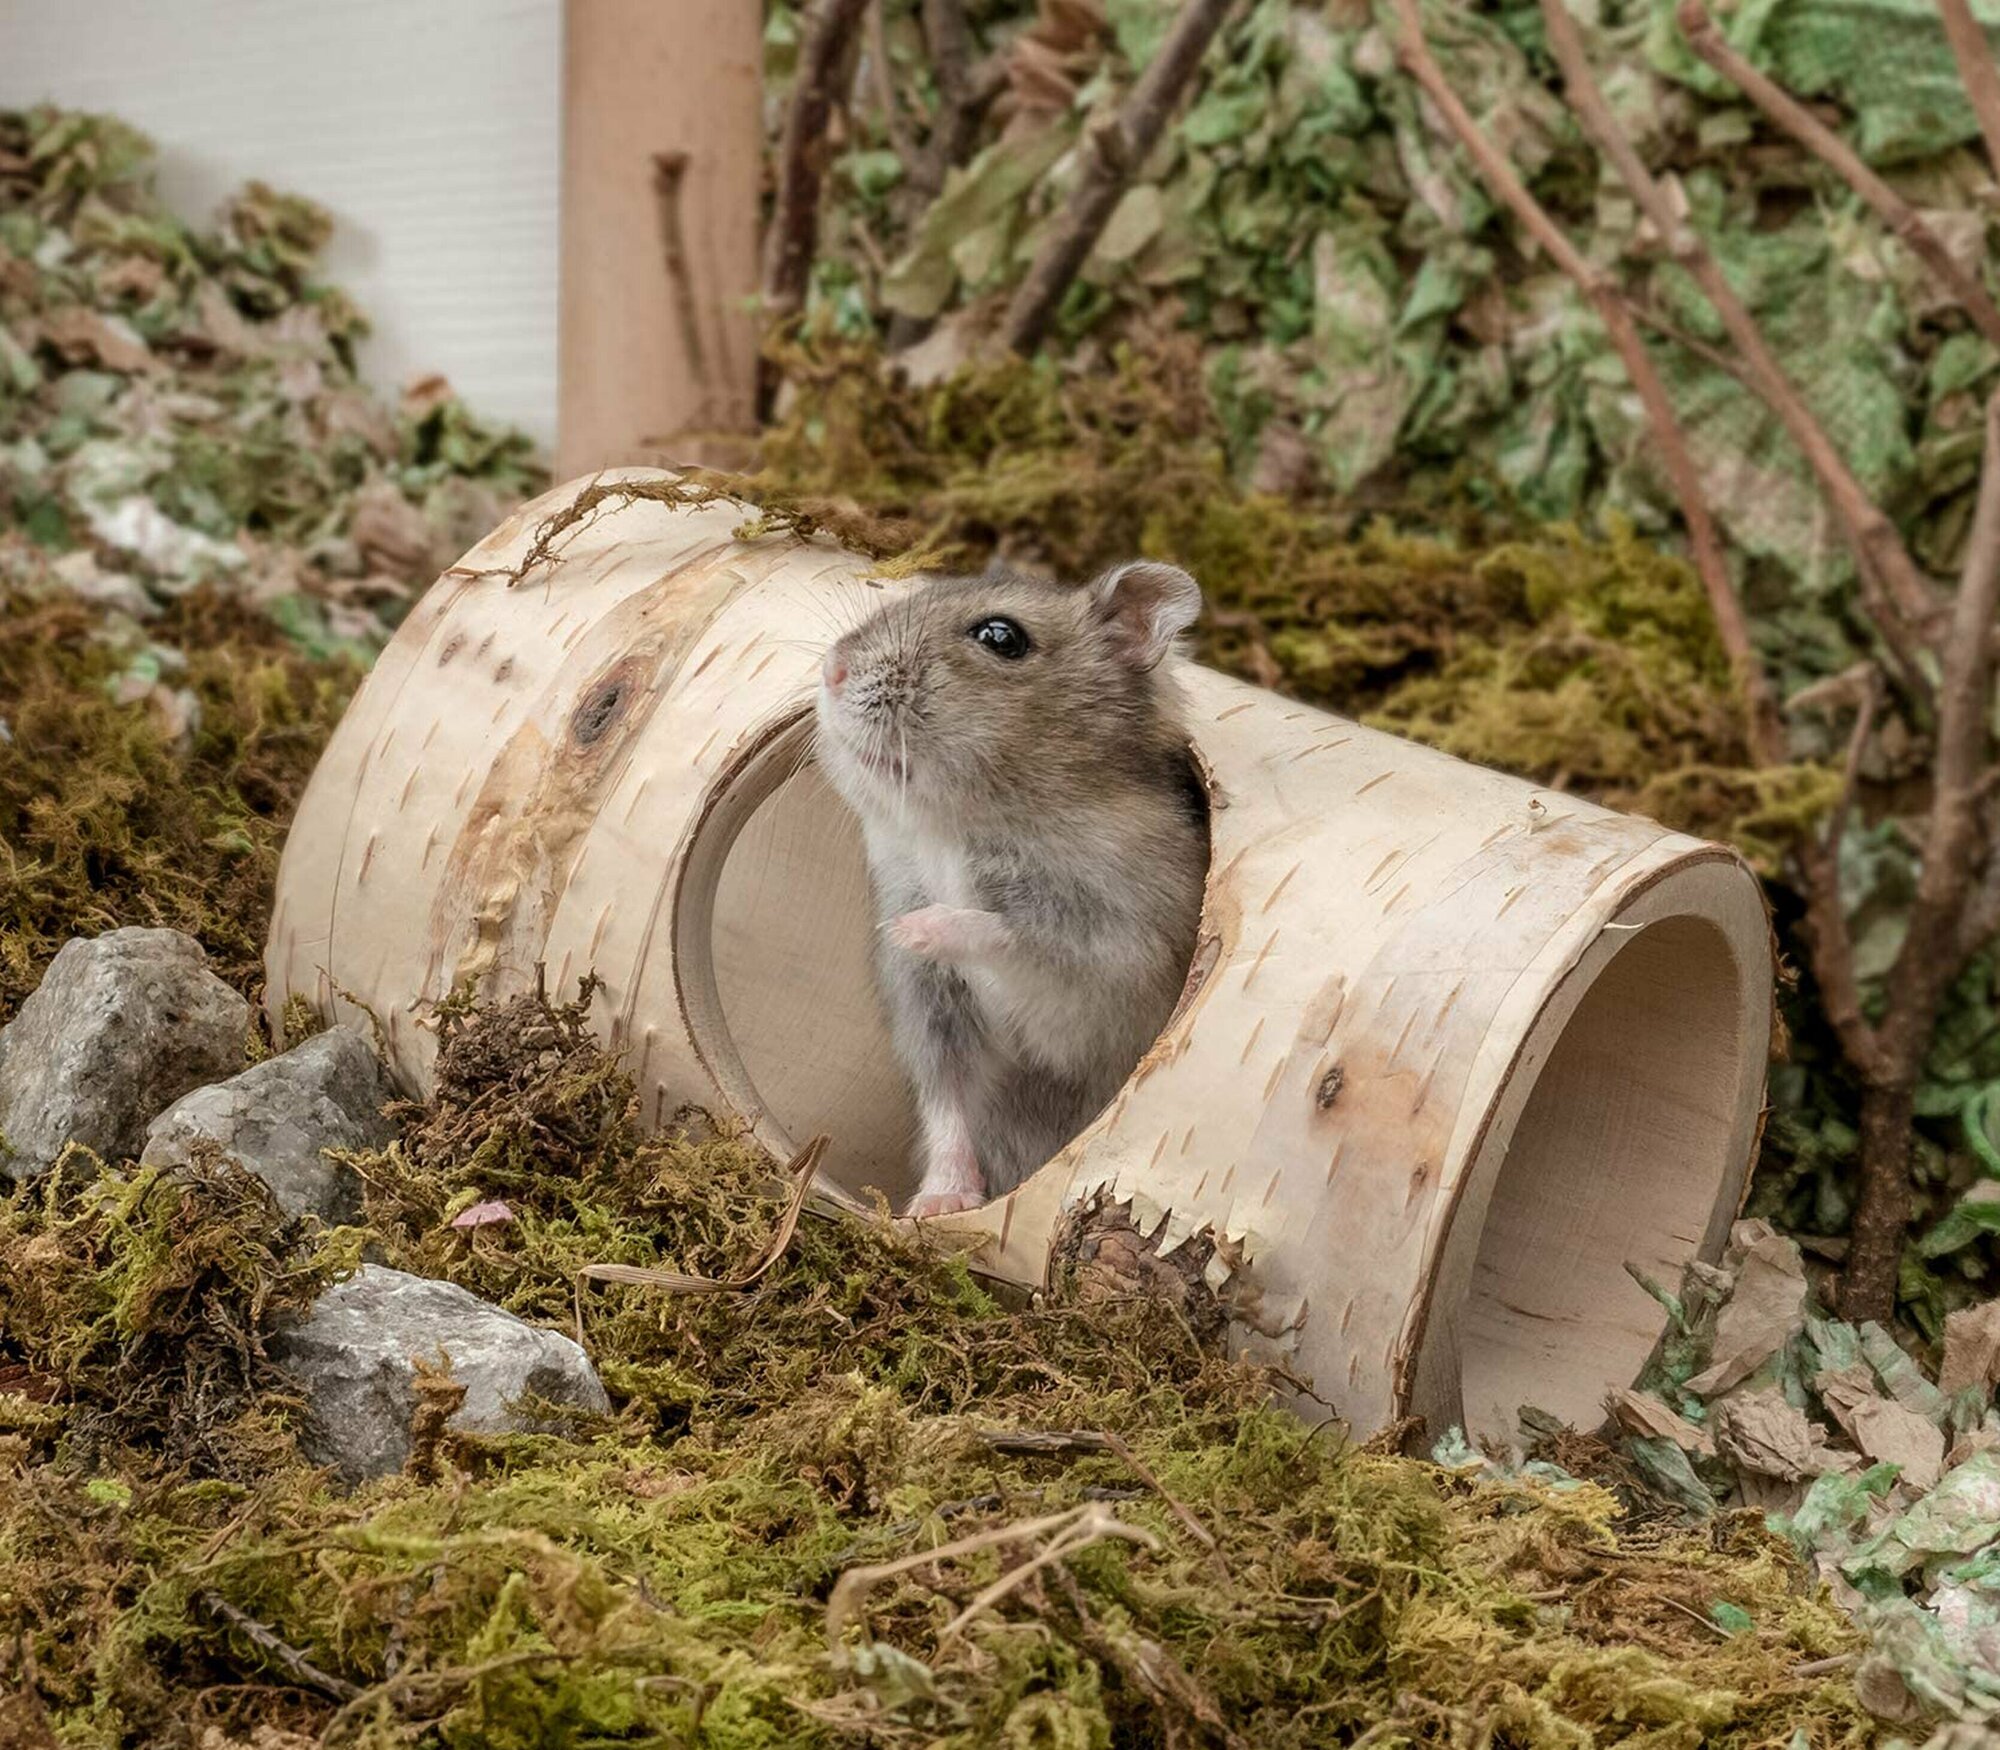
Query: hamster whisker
[
  {"x": 806, "y": 755},
  {"x": 826, "y": 609}
]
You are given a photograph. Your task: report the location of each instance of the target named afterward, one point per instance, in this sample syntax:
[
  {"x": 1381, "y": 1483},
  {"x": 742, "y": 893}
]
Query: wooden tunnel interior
[{"x": 1610, "y": 1149}]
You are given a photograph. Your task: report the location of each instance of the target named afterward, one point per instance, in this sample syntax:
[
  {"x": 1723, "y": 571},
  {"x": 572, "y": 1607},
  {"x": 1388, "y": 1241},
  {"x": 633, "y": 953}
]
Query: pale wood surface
[
  {"x": 639, "y": 79},
  {"x": 1458, "y": 1050}
]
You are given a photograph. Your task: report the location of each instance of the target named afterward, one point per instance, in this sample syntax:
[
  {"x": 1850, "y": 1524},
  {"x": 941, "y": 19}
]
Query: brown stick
[
  {"x": 794, "y": 235},
  {"x": 669, "y": 174},
  {"x": 1786, "y": 112},
  {"x": 1764, "y": 730},
  {"x": 1976, "y": 69},
  {"x": 1057, "y": 1443},
  {"x": 1112, "y": 155},
  {"x": 1857, "y": 744},
  {"x": 885, "y": 81},
  {"x": 300, "y": 1669},
  {"x": 1871, "y": 534},
  {"x": 1832, "y": 943},
  {"x": 1826, "y": 922},
  {"x": 1931, "y": 956},
  {"x": 964, "y": 96}
]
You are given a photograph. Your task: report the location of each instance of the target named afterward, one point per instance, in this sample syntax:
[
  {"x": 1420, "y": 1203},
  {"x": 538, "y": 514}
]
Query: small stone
[
  {"x": 122, "y": 1025},
  {"x": 352, "y": 1356},
  {"x": 279, "y": 1116}
]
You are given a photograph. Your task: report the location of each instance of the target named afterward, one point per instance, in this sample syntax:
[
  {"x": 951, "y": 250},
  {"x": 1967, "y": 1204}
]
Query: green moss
[
  {"x": 1587, "y": 661},
  {"x": 667, "y": 1578},
  {"x": 111, "y": 815}
]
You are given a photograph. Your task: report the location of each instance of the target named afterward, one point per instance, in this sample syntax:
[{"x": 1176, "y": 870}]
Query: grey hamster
[{"x": 1037, "y": 843}]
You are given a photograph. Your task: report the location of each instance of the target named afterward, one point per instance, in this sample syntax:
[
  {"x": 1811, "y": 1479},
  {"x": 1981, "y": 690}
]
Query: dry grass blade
[
  {"x": 1094, "y": 1523},
  {"x": 1067, "y": 1532},
  {"x": 802, "y": 1169},
  {"x": 1062, "y": 1444},
  {"x": 844, "y": 1605}
]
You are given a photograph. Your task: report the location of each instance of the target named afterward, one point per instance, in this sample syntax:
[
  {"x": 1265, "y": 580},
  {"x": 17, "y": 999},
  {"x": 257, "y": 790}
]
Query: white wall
[{"x": 430, "y": 128}]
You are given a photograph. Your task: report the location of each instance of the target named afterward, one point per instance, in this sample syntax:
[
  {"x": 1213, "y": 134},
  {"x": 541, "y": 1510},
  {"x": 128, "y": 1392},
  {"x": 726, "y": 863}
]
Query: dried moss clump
[
  {"x": 133, "y": 1304},
  {"x": 112, "y": 813},
  {"x": 1588, "y": 662},
  {"x": 745, "y": 1557}
]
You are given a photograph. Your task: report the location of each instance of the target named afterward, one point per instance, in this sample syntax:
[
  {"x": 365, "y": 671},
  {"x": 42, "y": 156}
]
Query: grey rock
[
  {"x": 279, "y": 1115},
  {"x": 122, "y": 1026},
  {"x": 351, "y": 1355}
]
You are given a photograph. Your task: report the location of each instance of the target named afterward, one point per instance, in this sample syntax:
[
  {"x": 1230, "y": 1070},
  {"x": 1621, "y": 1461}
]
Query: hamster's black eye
[{"x": 1002, "y": 637}]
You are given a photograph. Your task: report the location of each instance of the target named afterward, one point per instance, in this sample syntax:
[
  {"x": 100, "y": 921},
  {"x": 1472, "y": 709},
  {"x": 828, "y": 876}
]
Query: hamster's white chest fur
[{"x": 1041, "y": 1017}]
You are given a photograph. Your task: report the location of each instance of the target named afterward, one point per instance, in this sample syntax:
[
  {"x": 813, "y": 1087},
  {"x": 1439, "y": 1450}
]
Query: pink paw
[
  {"x": 929, "y": 1203},
  {"x": 938, "y": 932},
  {"x": 923, "y": 932}
]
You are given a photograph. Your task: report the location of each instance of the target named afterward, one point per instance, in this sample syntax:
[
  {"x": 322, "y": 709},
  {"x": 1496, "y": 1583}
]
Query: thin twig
[
  {"x": 1964, "y": 698},
  {"x": 947, "y": 1510},
  {"x": 1786, "y": 112},
  {"x": 1712, "y": 356},
  {"x": 1930, "y": 956},
  {"x": 1857, "y": 744},
  {"x": 1764, "y": 730},
  {"x": 1112, "y": 154},
  {"x": 1826, "y": 922},
  {"x": 794, "y": 235},
  {"x": 1688, "y": 1610},
  {"x": 1093, "y": 1524},
  {"x": 885, "y": 80},
  {"x": 1054, "y": 1443},
  {"x": 446, "y": 1681},
  {"x": 295, "y": 1664},
  {"x": 1870, "y": 533},
  {"x": 853, "y": 1587},
  {"x": 669, "y": 177},
  {"x": 802, "y": 1168},
  {"x": 964, "y": 94},
  {"x": 1976, "y": 69}
]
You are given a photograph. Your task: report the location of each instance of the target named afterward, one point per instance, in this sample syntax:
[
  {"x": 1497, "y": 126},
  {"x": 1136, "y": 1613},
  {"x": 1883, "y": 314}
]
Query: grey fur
[{"x": 1052, "y": 794}]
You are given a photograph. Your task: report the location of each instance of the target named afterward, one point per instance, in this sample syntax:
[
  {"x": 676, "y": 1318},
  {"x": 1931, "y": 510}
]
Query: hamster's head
[{"x": 979, "y": 698}]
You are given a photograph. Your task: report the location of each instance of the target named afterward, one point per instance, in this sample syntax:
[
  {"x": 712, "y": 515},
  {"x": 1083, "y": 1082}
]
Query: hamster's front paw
[
  {"x": 931, "y": 1203},
  {"x": 948, "y": 933}
]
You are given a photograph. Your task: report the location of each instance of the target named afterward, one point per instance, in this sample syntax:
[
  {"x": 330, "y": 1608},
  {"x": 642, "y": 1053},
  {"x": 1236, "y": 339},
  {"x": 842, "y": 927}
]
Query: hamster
[{"x": 1037, "y": 843}]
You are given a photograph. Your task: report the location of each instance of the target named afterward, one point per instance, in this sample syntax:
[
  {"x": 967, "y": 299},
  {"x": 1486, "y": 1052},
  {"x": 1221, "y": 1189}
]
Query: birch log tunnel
[{"x": 1454, "y": 1051}]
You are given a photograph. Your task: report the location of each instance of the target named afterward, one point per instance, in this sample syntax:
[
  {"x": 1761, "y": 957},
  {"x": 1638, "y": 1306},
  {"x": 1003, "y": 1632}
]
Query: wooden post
[{"x": 662, "y": 156}]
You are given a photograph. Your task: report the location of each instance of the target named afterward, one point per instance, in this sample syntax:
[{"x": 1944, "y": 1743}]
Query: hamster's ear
[{"x": 1147, "y": 605}]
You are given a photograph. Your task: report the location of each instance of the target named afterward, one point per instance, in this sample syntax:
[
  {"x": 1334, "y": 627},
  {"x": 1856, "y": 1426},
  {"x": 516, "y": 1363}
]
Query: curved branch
[
  {"x": 1975, "y": 67},
  {"x": 1765, "y": 732},
  {"x": 1112, "y": 156},
  {"x": 1786, "y": 112},
  {"x": 793, "y": 239},
  {"x": 1871, "y": 535}
]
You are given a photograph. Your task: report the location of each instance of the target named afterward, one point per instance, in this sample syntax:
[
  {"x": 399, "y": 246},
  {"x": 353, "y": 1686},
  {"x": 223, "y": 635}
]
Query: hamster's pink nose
[{"x": 834, "y": 671}]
